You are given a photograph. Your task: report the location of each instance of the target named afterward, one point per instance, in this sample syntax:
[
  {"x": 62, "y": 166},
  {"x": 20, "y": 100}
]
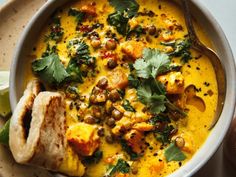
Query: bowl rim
[{"x": 194, "y": 164}]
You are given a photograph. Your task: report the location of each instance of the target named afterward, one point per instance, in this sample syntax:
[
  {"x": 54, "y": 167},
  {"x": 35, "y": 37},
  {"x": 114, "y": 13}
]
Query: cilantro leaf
[
  {"x": 127, "y": 106},
  {"x": 173, "y": 153},
  {"x": 50, "y": 69},
  {"x": 118, "y": 20},
  {"x": 149, "y": 95},
  {"x": 153, "y": 63},
  {"x": 121, "y": 166},
  {"x": 130, "y": 6}
]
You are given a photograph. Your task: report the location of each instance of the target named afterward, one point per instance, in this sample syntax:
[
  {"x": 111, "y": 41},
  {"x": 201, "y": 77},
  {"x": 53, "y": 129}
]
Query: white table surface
[{"x": 225, "y": 12}]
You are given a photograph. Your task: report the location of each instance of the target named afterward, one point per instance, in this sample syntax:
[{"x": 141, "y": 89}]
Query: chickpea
[
  {"x": 109, "y": 139},
  {"x": 101, "y": 131},
  {"x": 114, "y": 95},
  {"x": 108, "y": 107},
  {"x": 117, "y": 114},
  {"x": 96, "y": 43},
  {"x": 92, "y": 99},
  {"x": 111, "y": 64},
  {"x": 111, "y": 122},
  {"x": 89, "y": 119},
  {"x": 101, "y": 98},
  {"x": 134, "y": 170},
  {"x": 152, "y": 30},
  {"x": 179, "y": 142},
  {"x": 102, "y": 83},
  {"x": 111, "y": 44},
  {"x": 97, "y": 112}
]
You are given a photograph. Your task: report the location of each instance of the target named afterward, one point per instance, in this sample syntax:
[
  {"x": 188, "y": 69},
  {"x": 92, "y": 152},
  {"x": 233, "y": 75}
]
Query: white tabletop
[{"x": 225, "y": 12}]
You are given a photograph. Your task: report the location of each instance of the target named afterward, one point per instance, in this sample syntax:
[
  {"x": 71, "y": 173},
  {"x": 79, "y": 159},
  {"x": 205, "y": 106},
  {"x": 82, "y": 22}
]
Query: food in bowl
[{"x": 125, "y": 93}]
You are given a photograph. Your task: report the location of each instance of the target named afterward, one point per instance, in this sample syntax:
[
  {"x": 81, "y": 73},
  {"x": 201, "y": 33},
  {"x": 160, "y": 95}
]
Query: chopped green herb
[
  {"x": 181, "y": 49},
  {"x": 128, "y": 150},
  {"x": 118, "y": 20},
  {"x": 80, "y": 50},
  {"x": 95, "y": 158},
  {"x": 125, "y": 9},
  {"x": 49, "y": 50},
  {"x": 121, "y": 166},
  {"x": 131, "y": 7},
  {"x": 159, "y": 119},
  {"x": 77, "y": 14},
  {"x": 164, "y": 135},
  {"x": 50, "y": 69},
  {"x": 127, "y": 106},
  {"x": 74, "y": 71},
  {"x": 57, "y": 32},
  {"x": 137, "y": 31},
  {"x": 173, "y": 153},
  {"x": 4, "y": 133}
]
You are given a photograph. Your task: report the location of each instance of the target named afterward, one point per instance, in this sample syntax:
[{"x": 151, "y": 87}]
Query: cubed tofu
[
  {"x": 89, "y": 9},
  {"x": 173, "y": 81},
  {"x": 118, "y": 79},
  {"x": 133, "y": 49},
  {"x": 83, "y": 138},
  {"x": 134, "y": 139},
  {"x": 72, "y": 164},
  {"x": 122, "y": 125},
  {"x": 143, "y": 127}
]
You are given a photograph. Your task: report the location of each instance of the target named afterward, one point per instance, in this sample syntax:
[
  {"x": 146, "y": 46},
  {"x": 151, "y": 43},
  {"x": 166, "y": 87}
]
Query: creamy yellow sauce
[{"x": 193, "y": 128}]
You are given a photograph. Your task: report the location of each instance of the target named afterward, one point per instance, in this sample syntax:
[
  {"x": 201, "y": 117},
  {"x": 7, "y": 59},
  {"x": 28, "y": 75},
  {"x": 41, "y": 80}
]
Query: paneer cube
[
  {"x": 118, "y": 79},
  {"x": 135, "y": 140},
  {"x": 89, "y": 9},
  {"x": 174, "y": 82},
  {"x": 83, "y": 138},
  {"x": 133, "y": 49}
]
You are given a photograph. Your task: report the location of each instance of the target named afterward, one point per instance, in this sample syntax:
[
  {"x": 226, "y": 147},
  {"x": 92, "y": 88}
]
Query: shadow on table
[{"x": 217, "y": 166}]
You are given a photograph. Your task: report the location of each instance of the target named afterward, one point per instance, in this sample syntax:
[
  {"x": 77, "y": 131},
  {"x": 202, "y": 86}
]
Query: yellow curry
[{"x": 139, "y": 100}]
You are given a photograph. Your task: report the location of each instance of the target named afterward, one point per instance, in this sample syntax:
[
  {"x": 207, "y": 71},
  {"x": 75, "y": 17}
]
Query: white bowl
[{"x": 21, "y": 64}]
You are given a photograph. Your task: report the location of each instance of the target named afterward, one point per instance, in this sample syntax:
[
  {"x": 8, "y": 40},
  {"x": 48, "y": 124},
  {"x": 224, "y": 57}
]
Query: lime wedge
[
  {"x": 4, "y": 133},
  {"x": 5, "y": 109}
]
